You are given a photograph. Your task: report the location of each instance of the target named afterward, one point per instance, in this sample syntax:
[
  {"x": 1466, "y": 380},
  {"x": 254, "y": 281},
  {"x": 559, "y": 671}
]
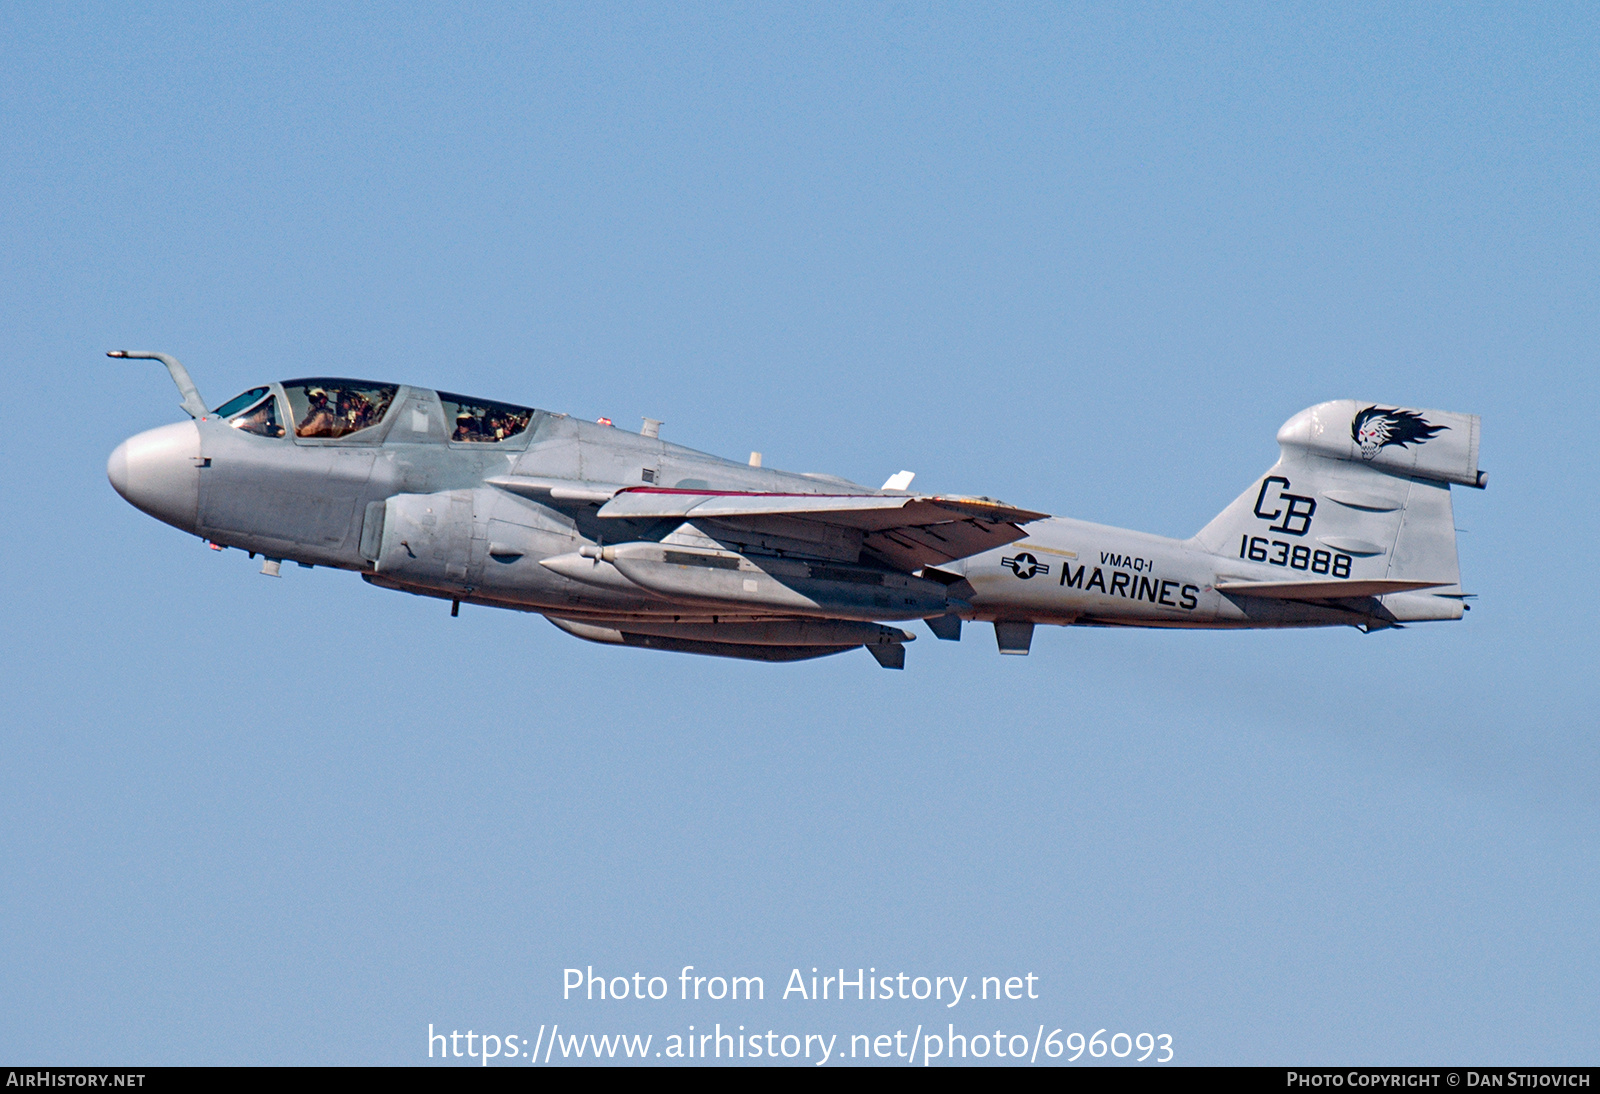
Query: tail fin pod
[
  {"x": 1359, "y": 491},
  {"x": 1427, "y": 444}
]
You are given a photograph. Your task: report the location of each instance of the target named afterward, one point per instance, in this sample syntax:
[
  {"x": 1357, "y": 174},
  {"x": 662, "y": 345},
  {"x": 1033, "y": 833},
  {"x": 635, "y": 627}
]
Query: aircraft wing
[{"x": 908, "y": 531}]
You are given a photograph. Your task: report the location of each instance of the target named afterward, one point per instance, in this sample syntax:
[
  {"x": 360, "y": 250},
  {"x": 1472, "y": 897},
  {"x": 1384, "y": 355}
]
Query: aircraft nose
[{"x": 156, "y": 471}]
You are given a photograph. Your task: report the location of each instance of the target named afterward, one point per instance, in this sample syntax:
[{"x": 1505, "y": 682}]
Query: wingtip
[{"x": 988, "y": 508}]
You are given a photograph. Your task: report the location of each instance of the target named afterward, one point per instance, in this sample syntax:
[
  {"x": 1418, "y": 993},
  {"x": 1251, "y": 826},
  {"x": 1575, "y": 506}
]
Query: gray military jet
[{"x": 625, "y": 539}]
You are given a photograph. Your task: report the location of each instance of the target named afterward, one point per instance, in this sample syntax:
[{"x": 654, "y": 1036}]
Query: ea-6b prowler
[{"x": 625, "y": 539}]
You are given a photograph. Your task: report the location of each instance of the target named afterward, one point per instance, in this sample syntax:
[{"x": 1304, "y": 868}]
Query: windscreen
[
  {"x": 239, "y": 402},
  {"x": 262, "y": 419}
]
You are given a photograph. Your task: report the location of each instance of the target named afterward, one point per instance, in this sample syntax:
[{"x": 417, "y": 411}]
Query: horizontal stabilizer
[{"x": 1322, "y": 590}]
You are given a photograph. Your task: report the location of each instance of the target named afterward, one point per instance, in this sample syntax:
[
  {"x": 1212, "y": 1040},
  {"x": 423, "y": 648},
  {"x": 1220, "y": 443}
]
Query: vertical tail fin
[{"x": 1360, "y": 491}]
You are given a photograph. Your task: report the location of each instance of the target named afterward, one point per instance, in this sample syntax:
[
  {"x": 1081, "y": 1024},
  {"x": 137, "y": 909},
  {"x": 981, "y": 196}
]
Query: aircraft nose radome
[
  {"x": 117, "y": 469},
  {"x": 155, "y": 471}
]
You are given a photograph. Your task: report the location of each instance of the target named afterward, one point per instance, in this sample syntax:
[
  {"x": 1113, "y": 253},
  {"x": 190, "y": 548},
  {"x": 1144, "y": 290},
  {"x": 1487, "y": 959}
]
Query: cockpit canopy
[
  {"x": 331, "y": 409},
  {"x": 474, "y": 421},
  {"x": 336, "y": 408}
]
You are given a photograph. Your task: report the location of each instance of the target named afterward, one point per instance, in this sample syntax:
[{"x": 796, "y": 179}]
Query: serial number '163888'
[{"x": 1295, "y": 556}]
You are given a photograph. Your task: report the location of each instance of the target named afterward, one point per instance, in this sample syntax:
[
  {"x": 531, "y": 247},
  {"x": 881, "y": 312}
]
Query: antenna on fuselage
[{"x": 192, "y": 402}]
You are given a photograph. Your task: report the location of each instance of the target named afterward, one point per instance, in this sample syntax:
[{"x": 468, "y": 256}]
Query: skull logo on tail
[{"x": 1376, "y": 427}]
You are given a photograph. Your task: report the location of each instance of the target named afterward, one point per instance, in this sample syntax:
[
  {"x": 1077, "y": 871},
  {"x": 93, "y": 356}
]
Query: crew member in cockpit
[
  {"x": 354, "y": 410},
  {"x": 320, "y": 420}
]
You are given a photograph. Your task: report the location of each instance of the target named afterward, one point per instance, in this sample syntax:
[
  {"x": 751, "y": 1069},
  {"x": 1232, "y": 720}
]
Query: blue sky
[{"x": 1083, "y": 259}]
